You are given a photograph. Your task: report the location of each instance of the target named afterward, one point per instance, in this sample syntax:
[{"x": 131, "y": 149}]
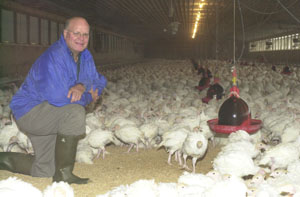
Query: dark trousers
[{"x": 42, "y": 124}]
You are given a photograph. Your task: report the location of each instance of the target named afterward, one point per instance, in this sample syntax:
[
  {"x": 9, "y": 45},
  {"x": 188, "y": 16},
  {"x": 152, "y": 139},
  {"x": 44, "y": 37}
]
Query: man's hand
[
  {"x": 94, "y": 94},
  {"x": 76, "y": 92}
]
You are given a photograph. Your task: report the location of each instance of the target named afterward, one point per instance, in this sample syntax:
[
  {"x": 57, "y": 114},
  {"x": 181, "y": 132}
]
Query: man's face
[{"x": 77, "y": 35}]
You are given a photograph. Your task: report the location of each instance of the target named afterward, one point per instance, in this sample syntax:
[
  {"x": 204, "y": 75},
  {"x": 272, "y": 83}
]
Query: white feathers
[
  {"x": 61, "y": 189},
  {"x": 195, "y": 146},
  {"x": 130, "y": 134},
  {"x": 236, "y": 163},
  {"x": 232, "y": 186},
  {"x": 236, "y": 158},
  {"x": 147, "y": 188},
  {"x": 150, "y": 131},
  {"x": 173, "y": 140},
  {"x": 15, "y": 187},
  {"x": 6, "y": 134},
  {"x": 99, "y": 139},
  {"x": 92, "y": 121},
  {"x": 196, "y": 180},
  {"x": 281, "y": 155},
  {"x": 244, "y": 146}
]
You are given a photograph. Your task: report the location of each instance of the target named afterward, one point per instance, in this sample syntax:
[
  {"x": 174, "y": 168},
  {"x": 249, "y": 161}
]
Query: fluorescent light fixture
[{"x": 197, "y": 18}]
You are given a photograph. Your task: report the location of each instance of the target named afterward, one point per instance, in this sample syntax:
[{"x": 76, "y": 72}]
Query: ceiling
[{"x": 157, "y": 19}]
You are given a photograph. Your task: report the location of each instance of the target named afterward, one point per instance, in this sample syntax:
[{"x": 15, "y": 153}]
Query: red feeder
[
  {"x": 254, "y": 126},
  {"x": 234, "y": 115}
]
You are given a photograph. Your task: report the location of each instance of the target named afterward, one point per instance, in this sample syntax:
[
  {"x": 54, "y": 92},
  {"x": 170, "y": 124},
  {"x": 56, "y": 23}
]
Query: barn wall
[
  {"x": 290, "y": 56},
  {"x": 272, "y": 31},
  {"x": 17, "y": 58}
]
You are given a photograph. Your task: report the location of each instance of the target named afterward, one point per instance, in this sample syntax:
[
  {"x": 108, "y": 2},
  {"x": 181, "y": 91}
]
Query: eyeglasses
[{"x": 78, "y": 34}]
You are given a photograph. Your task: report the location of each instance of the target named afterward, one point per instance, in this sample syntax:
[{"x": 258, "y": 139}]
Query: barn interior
[
  {"x": 149, "y": 51},
  {"x": 128, "y": 31}
]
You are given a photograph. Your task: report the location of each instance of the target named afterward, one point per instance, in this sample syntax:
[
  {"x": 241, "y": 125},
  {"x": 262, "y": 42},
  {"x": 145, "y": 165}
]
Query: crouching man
[{"x": 49, "y": 106}]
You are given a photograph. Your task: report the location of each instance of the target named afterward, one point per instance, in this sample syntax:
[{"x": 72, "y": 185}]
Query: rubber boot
[
  {"x": 16, "y": 162},
  {"x": 65, "y": 153}
]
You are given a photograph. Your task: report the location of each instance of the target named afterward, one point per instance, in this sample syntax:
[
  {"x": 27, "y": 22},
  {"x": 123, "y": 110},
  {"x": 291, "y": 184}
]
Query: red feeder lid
[{"x": 254, "y": 126}]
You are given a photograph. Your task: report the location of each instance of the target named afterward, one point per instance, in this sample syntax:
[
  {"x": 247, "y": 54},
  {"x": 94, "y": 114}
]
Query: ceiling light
[{"x": 197, "y": 18}]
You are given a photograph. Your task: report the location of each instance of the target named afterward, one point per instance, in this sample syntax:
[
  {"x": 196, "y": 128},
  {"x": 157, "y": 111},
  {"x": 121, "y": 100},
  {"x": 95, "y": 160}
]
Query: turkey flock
[{"x": 154, "y": 104}]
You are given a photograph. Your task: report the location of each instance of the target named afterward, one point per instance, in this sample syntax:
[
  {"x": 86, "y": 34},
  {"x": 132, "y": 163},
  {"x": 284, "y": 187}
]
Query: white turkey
[
  {"x": 61, "y": 189},
  {"x": 236, "y": 163},
  {"x": 195, "y": 146},
  {"x": 196, "y": 179},
  {"x": 150, "y": 131},
  {"x": 167, "y": 189},
  {"x": 16, "y": 187},
  {"x": 131, "y": 135},
  {"x": 22, "y": 141},
  {"x": 93, "y": 121},
  {"x": 99, "y": 138},
  {"x": 120, "y": 122},
  {"x": 6, "y": 134},
  {"x": 85, "y": 153},
  {"x": 281, "y": 155},
  {"x": 232, "y": 185},
  {"x": 244, "y": 146},
  {"x": 173, "y": 141},
  {"x": 239, "y": 135}
]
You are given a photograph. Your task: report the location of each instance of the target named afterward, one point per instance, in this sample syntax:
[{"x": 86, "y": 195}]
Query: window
[
  {"x": 279, "y": 43},
  {"x": 105, "y": 40},
  {"x": 286, "y": 42},
  {"x": 53, "y": 34},
  {"x": 289, "y": 46},
  {"x": 22, "y": 33},
  {"x": 44, "y": 32},
  {"x": 33, "y": 30},
  {"x": 253, "y": 46},
  {"x": 276, "y": 44},
  {"x": 7, "y": 26},
  {"x": 61, "y": 28},
  {"x": 296, "y": 41}
]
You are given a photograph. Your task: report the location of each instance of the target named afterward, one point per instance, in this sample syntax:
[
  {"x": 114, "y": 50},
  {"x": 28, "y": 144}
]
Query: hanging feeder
[{"x": 234, "y": 114}]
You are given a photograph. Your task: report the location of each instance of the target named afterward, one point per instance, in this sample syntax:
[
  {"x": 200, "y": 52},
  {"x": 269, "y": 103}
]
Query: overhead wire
[
  {"x": 286, "y": 9},
  {"x": 262, "y": 21},
  {"x": 267, "y": 13},
  {"x": 243, "y": 31},
  {"x": 233, "y": 33}
]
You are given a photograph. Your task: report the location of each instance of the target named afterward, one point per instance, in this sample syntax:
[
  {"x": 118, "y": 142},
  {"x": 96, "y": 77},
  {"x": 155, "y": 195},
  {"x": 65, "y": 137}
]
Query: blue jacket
[{"x": 51, "y": 77}]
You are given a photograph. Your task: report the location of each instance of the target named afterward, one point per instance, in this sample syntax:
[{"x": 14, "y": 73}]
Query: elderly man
[{"x": 49, "y": 106}]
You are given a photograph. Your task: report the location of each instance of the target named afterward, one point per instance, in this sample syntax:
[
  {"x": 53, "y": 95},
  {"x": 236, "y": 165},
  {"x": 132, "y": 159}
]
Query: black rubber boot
[
  {"x": 16, "y": 162},
  {"x": 65, "y": 153}
]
